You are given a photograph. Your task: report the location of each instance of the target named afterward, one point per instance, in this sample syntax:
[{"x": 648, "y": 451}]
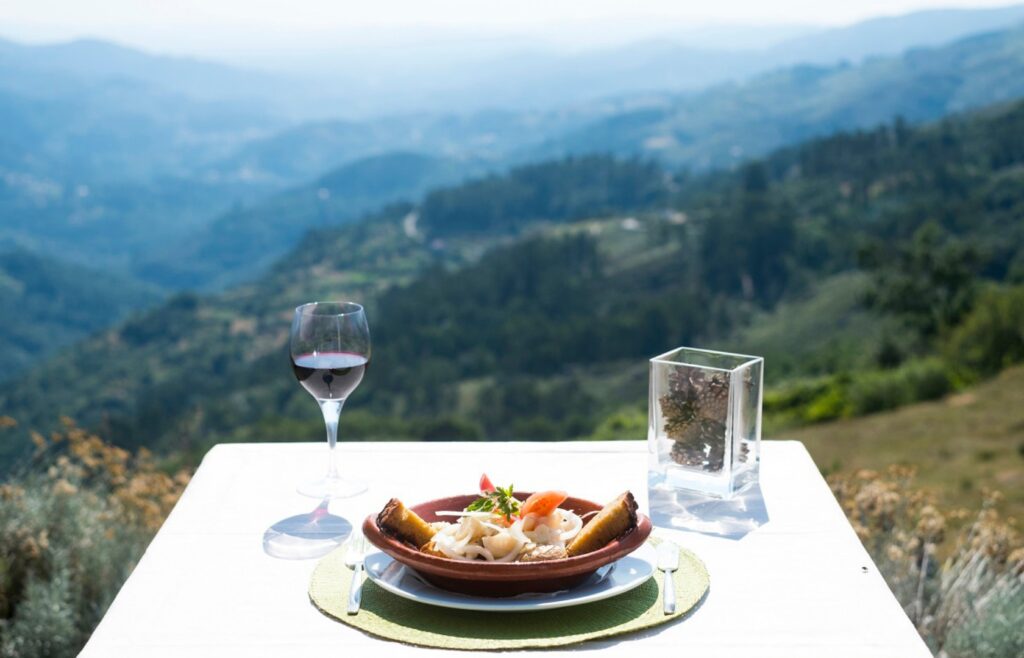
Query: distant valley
[
  {"x": 210, "y": 163},
  {"x": 128, "y": 180},
  {"x": 245, "y": 241},
  {"x": 654, "y": 259},
  {"x": 48, "y": 305}
]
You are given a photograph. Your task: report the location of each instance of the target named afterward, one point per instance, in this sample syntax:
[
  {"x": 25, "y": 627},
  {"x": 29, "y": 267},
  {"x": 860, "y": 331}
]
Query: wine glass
[{"x": 330, "y": 350}]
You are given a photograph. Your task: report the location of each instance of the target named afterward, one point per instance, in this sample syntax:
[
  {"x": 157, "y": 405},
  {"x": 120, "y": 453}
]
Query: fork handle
[
  {"x": 355, "y": 592},
  {"x": 669, "y": 593}
]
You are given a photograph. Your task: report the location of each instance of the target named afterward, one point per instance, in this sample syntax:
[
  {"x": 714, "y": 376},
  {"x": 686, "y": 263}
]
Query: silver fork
[{"x": 355, "y": 553}]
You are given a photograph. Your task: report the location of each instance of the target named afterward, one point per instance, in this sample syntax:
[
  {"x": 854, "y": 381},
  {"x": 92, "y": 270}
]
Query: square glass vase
[{"x": 704, "y": 421}]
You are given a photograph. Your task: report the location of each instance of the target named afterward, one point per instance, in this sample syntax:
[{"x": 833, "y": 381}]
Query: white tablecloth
[{"x": 799, "y": 584}]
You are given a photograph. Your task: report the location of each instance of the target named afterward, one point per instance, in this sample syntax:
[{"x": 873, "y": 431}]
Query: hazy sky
[{"x": 233, "y": 28}]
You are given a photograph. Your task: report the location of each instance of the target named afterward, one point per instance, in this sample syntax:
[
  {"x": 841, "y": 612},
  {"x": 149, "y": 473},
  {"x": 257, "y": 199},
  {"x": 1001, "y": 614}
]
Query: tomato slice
[
  {"x": 485, "y": 484},
  {"x": 542, "y": 503}
]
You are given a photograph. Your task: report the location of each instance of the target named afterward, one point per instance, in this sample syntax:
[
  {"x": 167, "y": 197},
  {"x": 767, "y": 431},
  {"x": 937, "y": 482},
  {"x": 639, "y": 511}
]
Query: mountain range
[
  {"x": 126, "y": 172},
  {"x": 463, "y": 312},
  {"x": 539, "y": 79},
  {"x": 725, "y": 125},
  {"x": 460, "y": 75},
  {"x": 720, "y": 127},
  {"x": 716, "y": 126}
]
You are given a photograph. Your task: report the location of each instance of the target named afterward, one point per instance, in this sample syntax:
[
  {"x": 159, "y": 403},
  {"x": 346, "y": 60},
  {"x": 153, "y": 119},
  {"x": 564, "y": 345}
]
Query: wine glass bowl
[{"x": 330, "y": 351}]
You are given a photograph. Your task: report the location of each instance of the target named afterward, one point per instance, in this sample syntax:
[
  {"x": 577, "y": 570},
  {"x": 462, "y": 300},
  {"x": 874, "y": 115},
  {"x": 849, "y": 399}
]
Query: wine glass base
[{"x": 330, "y": 488}]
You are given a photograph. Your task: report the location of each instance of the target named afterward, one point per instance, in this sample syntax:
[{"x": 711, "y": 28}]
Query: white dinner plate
[{"x": 621, "y": 576}]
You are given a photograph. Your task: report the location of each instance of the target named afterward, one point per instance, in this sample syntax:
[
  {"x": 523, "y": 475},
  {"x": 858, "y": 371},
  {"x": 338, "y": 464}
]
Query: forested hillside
[
  {"x": 543, "y": 331},
  {"x": 587, "y": 186},
  {"x": 244, "y": 241},
  {"x": 47, "y": 305}
]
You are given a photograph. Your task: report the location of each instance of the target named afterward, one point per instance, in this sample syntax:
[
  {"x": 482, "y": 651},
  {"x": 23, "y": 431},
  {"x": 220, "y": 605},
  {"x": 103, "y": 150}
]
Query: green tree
[
  {"x": 929, "y": 283},
  {"x": 746, "y": 247},
  {"x": 992, "y": 336}
]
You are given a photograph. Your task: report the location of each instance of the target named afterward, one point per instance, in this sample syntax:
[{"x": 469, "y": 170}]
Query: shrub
[
  {"x": 71, "y": 530},
  {"x": 44, "y": 624},
  {"x": 915, "y": 381},
  {"x": 992, "y": 336},
  {"x": 806, "y": 401},
  {"x": 628, "y": 423},
  {"x": 859, "y": 393},
  {"x": 361, "y": 425},
  {"x": 966, "y": 605},
  {"x": 829, "y": 405},
  {"x": 449, "y": 428},
  {"x": 993, "y": 630}
]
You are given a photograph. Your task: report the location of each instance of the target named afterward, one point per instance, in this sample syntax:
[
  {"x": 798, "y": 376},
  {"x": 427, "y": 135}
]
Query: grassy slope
[{"x": 960, "y": 445}]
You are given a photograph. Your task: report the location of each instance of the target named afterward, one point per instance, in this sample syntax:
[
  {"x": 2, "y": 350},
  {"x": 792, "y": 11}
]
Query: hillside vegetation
[
  {"x": 959, "y": 445},
  {"x": 519, "y": 267},
  {"x": 528, "y": 321},
  {"x": 47, "y": 305}
]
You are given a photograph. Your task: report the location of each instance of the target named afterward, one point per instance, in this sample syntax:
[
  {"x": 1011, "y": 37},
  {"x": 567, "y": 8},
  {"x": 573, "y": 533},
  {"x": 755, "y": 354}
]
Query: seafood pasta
[{"x": 499, "y": 527}]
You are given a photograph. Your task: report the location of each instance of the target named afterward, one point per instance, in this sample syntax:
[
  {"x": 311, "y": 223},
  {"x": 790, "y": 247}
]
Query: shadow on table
[
  {"x": 732, "y": 519},
  {"x": 305, "y": 536}
]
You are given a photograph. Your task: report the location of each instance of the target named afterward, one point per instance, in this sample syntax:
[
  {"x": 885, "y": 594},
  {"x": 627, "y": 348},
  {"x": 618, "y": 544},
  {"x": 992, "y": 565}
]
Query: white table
[{"x": 801, "y": 584}]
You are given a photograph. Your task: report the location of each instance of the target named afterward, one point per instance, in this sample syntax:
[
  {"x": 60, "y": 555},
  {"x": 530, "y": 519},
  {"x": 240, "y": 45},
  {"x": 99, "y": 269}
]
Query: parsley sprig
[{"x": 500, "y": 500}]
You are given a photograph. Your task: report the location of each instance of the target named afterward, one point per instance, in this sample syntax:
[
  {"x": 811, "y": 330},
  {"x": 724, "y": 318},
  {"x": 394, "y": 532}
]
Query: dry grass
[{"x": 961, "y": 446}]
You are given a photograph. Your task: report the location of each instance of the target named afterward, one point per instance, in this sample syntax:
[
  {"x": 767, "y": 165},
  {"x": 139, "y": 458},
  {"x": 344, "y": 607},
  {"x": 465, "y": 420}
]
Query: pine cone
[
  {"x": 702, "y": 446},
  {"x": 714, "y": 398},
  {"x": 687, "y": 454},
  {"x": 695, "y": 410}
]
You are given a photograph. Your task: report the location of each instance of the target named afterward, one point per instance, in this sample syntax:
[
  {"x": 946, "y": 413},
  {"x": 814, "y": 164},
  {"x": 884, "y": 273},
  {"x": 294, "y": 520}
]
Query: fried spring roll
[
  {"x": 405, "y": 524},
  {"x": 613, "y": 521},
  {"x": 430, "y": 548}
]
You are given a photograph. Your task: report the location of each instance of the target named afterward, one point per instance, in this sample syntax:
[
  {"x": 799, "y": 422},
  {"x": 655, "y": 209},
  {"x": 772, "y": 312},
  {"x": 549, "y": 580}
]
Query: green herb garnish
[{"x": 500, "y": 500}]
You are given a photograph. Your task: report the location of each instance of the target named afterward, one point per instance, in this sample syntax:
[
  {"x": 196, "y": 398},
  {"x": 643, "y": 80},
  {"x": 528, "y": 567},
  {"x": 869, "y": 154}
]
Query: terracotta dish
[{"x": 481, "y": 578}]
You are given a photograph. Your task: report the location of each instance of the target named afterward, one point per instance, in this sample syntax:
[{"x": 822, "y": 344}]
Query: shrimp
[{"x": 542, "y": 503}]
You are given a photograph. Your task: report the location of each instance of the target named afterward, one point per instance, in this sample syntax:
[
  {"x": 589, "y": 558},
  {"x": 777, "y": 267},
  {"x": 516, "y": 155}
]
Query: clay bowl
[{"x": 480, "y": 578}]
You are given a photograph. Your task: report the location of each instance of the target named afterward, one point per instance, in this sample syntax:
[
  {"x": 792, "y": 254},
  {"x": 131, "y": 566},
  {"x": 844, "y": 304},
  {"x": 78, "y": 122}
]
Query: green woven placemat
[{"x": 391, "y": 617}]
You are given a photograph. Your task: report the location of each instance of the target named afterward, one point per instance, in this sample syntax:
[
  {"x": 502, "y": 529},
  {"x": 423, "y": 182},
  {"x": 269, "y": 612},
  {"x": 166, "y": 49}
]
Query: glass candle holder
[{"x": 704, "y": 421}]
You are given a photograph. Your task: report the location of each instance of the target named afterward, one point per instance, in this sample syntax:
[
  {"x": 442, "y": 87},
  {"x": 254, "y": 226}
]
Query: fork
[{"x": 354, "y": 556}]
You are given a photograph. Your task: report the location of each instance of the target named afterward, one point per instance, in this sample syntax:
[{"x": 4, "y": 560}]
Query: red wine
[{"x": 329, "y": 375}]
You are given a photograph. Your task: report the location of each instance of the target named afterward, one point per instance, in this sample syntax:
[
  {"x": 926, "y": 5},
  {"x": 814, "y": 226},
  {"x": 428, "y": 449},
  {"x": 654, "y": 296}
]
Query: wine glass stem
[{"x": 331, "y": 410}]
